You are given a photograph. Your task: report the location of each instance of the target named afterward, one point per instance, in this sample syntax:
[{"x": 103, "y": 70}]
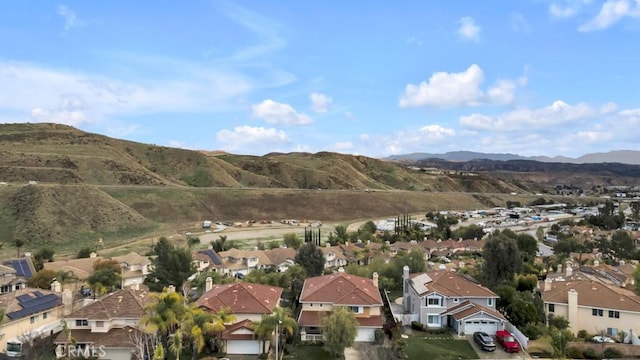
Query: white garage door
[
  {"x": 243, "y": 347},
  {"x": 471, "y": 326},
  {"x": 365, "y": 335}
]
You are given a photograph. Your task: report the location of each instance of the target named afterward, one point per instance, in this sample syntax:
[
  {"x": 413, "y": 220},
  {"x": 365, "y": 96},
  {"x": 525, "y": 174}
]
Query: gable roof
[
  {"x": 242, "y": 298},
  {"x": 114, "y": 338},
  {"x": 229, "y": 330},
  {"x": 210, "y": 255},
  {"x": 592, "y": 294},
  {"x": 341, "y": 289},
  {"x": 26, "y": 302},
  {"x": 81, "y": 268},
  {"x": 448, "y": 283},
  {"x": 469, "y": 308},
  {"x": 123, "y": 304},
  {"x": 132, "y": 258},
  {"x": 23, "y": 266},
  {"x": 280, "y": 255}
]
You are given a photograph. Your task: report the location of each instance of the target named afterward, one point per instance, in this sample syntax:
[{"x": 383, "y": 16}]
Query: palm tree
[
  {"x": 197, "y": 326},
  {"x": 263, "y": 330},
  {"x": 176, "y": 344},
  {"x": 287, "y": 326},
  {"x": 222, "y": 317},
  {"x": 165, "y": 315}
]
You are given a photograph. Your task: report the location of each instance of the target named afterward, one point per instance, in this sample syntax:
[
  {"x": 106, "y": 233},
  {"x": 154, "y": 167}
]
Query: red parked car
[{"x": 507, "y": 341}]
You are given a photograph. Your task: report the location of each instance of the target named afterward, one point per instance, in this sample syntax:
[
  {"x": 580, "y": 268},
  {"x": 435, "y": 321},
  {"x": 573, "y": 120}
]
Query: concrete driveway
[{"x": 498, "y": 354}]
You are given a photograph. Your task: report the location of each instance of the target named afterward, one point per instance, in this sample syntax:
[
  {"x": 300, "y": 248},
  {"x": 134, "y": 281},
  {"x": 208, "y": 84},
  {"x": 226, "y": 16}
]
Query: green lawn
[
  {"x": 310, "y": 352},
  {"x": 436, "y": 348}
]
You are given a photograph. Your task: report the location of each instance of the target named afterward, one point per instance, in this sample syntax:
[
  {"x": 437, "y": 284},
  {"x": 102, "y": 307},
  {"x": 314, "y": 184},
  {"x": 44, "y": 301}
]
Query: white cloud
[
  {"x": 320, "y": 103},
  {"x": 564, "y": 9},
  {"x": 342, "y": 146},
  {"x": 557, "y": 114},
  {"x": 72, "y": 118},
  {"x": 459, "y": 89},
  {"x": 70, "y": 18},
  {"x": 76, "y": 98},
  {"x": 611, "y": 12},
  {"x": 252, "y": 139},
  {"x": 406, "y": 141},
  {"x": 468, "y": 29},
  {"x": 278, "y": 113}
]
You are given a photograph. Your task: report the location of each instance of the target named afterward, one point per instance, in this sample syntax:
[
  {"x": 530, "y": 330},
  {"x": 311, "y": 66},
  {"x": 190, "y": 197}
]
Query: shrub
[
  {"x": 590, "y": 354},
  {"x": 416, "y": 325},
  {"x": 612, "y": 353},
  {"x": 583, "y": 334},
  {"x": 534, "y": 331},
  {"x": 574, "y": 353}
]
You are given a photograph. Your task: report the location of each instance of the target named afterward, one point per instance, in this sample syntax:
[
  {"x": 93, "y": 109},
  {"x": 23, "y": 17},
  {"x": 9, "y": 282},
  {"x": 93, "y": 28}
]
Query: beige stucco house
[{"x": 592, "y": 306}]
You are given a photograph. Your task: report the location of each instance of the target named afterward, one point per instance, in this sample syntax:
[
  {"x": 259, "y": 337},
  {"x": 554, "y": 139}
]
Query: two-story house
[
  {"x": 107, "y": 326},
  {"x": 248, "y": 302},
  {"x": 9, "y": 281},
  {"x": 443, "y": 298},
  {"x": 321, "y": 293},
  {"x": 135, "y": 268},
  {"x": 592, "y": 306},
  {"x": 334, "y": 256},
  {"x": 29, "y": 314}
]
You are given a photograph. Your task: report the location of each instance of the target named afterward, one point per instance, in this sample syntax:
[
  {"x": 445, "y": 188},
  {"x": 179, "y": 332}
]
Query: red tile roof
[
  {"x": 468, "y": 308},
  {"x": 312, "y": 318},
  {"x": 448, "y": 283},
  {"x": 341, "y": 289},
  {"x": 228, "y": 333},
  {"x": 123, "y": 304},
  {"x": 242, "y": 298}
]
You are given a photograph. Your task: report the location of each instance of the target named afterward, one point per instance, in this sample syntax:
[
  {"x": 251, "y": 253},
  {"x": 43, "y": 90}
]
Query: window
[
  {"x": 433, "y": 301},
  {"x": 433, "y": 319},
  {"x": 33, "y": 319},
  {"x": 490, "y": 301},
  {"x": 552, "y": 308},
  {"x": 82, "y": 322},
  {"x": 99, "y": 324},
  {"x": 597, "y": 312},
  {"x": 614, "y": 314},
  {"x": 612, "y": 331},
  {"x": 45, "y": 315},
  {"x": 356, "y": 309}
]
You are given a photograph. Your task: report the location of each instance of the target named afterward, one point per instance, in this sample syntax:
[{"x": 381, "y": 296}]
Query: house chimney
[
  {"x": 327, "y": 244},
  {"x": 210, "y": 247},
  {"x": 375, "y": 279},
  {"x": 135, "y": 286},
  {"x": 171, "y": 288},
  {"x": 208, "y": 284},
  {"x": 93, "y": 254},
  {"x": 573, "y": 309},
  {"x": 340, "y": 269},
  {"x": 596, "y": 262},
  {"x": 548, "y": 284},
  {"x": 621, "y": 262},
  {"x": 67, "y": 301},
  {"x": 559, "y": 268},
  {"x": 405, "y": 288},
  {"x": 56, "y": 286},
  {"x": 368, "y": 242},
  {"x": 569, "y": 270}
]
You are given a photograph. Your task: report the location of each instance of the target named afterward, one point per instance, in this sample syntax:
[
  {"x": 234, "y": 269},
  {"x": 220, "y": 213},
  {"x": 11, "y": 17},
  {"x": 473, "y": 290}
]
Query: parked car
[
  {"x": 507, "y": 341},
  {"x": 85, "y": 291},
  {"x": 602, "y": 339},
  {"x": 484, "y": 340}
]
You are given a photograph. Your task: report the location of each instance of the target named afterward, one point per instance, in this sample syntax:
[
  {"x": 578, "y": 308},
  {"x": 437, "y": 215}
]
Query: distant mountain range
[{"x": 631, "y": 157}]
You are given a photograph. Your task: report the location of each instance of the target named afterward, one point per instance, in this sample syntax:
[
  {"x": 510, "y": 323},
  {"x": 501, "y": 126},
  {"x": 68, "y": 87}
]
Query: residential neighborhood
[{"x": 395, "y": 284}]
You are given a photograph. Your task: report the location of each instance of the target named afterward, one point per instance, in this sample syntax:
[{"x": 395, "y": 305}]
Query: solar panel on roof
[
  {"x": 213, "y": 256},
  {"x": 33, "y": 305},
  {"x": 23, "y": 298},
  {"x": 22, "y": 268}
]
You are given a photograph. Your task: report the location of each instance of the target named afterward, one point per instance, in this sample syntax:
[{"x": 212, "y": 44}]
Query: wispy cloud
[
  {"x": 413, "y": 41},
  {"x": 70, "y": 18},
  {"x": 611, "y": 12},
  {"x": 253, "y": 140},
  {"x": 519, "y": 23},
  {"x": 468, "y": 29}
]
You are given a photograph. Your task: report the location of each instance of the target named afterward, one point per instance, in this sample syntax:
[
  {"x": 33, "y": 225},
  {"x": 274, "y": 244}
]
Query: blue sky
[{"x": 556, "y": 77}]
